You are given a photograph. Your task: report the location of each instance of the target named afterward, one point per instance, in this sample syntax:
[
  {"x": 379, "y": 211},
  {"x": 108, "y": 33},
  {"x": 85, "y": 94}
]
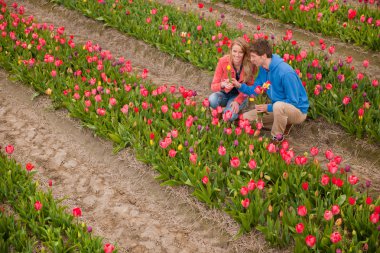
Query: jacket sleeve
[
  {"x": 216, "y": 81},
  {"x": 250, "y": 90}
]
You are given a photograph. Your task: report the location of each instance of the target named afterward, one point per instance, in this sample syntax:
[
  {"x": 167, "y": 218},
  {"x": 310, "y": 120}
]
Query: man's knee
[{"x": 279, "y": 108}]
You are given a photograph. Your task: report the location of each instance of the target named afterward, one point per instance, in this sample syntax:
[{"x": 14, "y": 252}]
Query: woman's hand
[
  {"x": 226, "y": 85},
  {"x": 235, "y": 83}
]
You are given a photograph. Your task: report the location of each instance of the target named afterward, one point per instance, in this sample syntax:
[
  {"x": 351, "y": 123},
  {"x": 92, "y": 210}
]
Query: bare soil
[{"x": 119, "y": 196}]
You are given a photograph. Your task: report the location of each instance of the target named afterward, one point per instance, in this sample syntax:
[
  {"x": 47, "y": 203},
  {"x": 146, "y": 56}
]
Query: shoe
[
  {"x": 287, "y": 129},
  {"x": 278, "y": 139}
]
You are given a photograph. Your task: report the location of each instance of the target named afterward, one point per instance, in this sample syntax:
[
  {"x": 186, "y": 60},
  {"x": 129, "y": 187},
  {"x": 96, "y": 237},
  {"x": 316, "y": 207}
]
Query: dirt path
[{"x": 118, "y": 194}]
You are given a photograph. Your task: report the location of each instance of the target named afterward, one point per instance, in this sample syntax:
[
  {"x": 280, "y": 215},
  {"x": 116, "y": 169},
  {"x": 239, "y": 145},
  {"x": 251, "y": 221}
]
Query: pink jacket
[{"x": 221, "y": 74}]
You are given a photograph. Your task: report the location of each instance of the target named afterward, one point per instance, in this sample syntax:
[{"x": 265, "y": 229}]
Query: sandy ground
[{"x": 118, "y": 194}]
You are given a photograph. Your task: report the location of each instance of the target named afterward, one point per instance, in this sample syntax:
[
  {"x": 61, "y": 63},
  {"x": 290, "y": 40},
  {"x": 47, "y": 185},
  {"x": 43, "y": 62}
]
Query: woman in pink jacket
[{"x": 236, "y": 65}]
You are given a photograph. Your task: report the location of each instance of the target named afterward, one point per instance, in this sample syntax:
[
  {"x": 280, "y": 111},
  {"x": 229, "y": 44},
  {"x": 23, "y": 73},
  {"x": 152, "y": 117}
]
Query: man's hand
[
  {"x": 235, "y": 107},
  {"x": 235, "y": 83},
  {"x": 261, "y": 108}
]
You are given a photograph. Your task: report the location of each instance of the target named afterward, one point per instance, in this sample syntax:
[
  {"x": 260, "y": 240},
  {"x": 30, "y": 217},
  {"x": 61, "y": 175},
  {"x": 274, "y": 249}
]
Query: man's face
[{"x": 257, "y": 60}]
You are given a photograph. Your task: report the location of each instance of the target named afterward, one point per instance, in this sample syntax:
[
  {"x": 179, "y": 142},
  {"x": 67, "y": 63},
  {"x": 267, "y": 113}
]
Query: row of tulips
[
  {"x": 335, "y": 90},
  {"x": 36, "y": 221},
  {"x": 227, "y": 166},
  {"x": 351, "y": 23}
]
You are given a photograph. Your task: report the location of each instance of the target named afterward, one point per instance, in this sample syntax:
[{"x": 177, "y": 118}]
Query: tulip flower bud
[
  {"x": 316, "y": 193},
  {"x": 270, "y": 208},
  {"x": 338, "y": 222}
]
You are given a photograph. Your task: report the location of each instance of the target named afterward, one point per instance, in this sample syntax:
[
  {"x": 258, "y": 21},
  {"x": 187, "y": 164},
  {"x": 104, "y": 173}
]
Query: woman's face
[{"x": 237, "y": 54}]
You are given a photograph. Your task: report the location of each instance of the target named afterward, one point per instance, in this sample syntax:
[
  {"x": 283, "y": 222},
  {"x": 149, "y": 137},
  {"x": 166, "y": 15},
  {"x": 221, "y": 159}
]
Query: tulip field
[{"x": 308, "y": 201}]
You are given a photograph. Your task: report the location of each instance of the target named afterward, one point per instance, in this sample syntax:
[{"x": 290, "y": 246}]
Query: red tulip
[
  {"x": 108, "y": 248},
  {"x": 310, "y": 240},
  {"x": 299, "y": 228},
  {"x": 29, "y": 166},
  {"x": 37, "y": 205},
  {"x": 77, "y": 212},
  {"x": 305, "y": 186},
  {"x": 351, "y": 13},
  {"x": 374, "y": 218},
  {"x": 352, "y": 201},
  {"x": 205, "y": 180}
]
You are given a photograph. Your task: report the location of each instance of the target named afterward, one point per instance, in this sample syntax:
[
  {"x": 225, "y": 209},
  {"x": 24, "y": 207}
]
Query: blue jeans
[{"x": 223, "y": 99}]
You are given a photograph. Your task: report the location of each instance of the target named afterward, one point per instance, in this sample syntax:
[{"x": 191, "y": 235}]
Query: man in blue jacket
[{"x": 289, "y": 102}]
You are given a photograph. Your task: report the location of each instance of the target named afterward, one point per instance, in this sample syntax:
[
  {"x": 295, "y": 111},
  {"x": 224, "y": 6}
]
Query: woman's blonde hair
[{"x": 248, "y": 67}]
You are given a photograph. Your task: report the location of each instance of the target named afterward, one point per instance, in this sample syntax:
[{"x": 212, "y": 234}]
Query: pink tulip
[
  {"x": 328, "y": 215},
  {"x": 260, "y": 184},
  {"x": 352, "y": 179},
  {"x": 235, "y": 162},
  {"x": 222, "y": 150},
  {"x": 172, "y": 153},
  {"x": 335, "y": 237},
  {"x": 252, "y": 164},
  {"x": 244, "y": 191},
  {"x": 325, "y": 180},
  {"x": 335, "y": 209},
  {"x": 346, "y": 100},
  {"x": 205, "y": 180},
  {"x": 299, "y": 228},
  {"x": 193, "y": 158},
  {"x": 245, "y": 203},
  {"x": 314, "y": 151},
  {"x": 302, "y": 211},
  {"x": 251, "y": 185},
  {"x": 9, "y": 149}
]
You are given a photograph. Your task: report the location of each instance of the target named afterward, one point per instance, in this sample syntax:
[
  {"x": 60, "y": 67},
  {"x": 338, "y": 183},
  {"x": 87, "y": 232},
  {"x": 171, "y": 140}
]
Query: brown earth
[{"x": 118, "y": 194}]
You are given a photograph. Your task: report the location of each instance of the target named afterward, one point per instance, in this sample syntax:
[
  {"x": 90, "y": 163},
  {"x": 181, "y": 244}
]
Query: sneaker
[
  {"x": 287, "y": 129},
  {"x": 278, "y": 138}
]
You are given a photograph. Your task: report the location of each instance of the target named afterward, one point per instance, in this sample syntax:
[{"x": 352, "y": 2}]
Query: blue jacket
[{"x": 285, "y": 86}]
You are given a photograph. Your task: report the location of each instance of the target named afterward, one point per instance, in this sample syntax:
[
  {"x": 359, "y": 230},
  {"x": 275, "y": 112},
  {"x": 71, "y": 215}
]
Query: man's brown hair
[{"x": 261, "y": 47}]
